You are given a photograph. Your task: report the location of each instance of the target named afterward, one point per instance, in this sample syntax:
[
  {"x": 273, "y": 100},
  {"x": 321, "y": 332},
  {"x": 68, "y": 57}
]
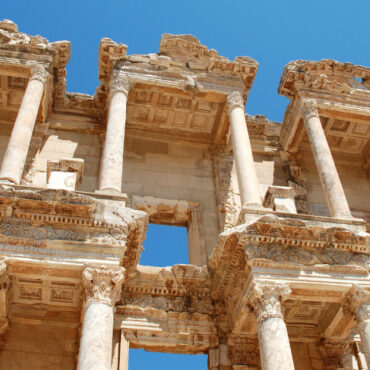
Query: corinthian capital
[
  {"x": 103, "y": 284},
  {"x": 119, "y": 82},
  {"x": 235, "y": 100},
  {"x": 357, "y": 301},
  {"x": 309, "y": 109},
  {"x": 39, "y": 73},
  {"x": 266, "y": 299}
]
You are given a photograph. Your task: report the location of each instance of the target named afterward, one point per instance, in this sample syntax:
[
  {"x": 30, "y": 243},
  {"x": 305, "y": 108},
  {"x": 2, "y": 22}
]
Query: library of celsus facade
[{"x": 277, "y": 214}]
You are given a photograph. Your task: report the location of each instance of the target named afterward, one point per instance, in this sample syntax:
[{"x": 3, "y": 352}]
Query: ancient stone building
[{"x": 276, "y": 214}]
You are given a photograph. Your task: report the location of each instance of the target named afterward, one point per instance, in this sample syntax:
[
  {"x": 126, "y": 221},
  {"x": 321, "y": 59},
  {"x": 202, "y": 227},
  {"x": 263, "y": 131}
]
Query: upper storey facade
[{"x": 276, "y": 214}]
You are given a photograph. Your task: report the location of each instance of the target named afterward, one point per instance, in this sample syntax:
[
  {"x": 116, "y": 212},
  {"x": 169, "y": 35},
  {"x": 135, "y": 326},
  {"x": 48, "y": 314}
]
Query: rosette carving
[
  {"x": 235, "y": 100},
  {"x": 39, "y": 73},
  {"x": 266, "y": 300},
  {"x": 103, "y": 284}
]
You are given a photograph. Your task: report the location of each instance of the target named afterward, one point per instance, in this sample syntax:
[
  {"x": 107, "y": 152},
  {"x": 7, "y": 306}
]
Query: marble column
[
  {"x": 329, "y": 178},
  {"x": 275, "y": 351},
  {"x": 124, "y": 352},
  {"x": 111, "y": 168},
  {"x": 103, "y": 289},
  {"x": 245, "y": 168},
  {"x": 357, "y": 302},
  {"x": 20, "y": 138}
]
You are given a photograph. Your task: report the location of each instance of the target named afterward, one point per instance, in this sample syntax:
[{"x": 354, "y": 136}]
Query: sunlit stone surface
[{"x": 276, "y": 213}]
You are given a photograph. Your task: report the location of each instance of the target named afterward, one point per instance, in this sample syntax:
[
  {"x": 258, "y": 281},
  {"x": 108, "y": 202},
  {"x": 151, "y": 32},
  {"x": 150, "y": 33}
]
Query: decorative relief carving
[
  {"x": 39, "y": 73},
  {"x": 332, "y": 353},
  {"x": 245, "y": 351},
  {"x": 309, "y": 109},
  {"x": 119, "y": 83},
  {"x": 103, "y": 284},
  {"x": 324, "y": 258},
  {"x": 325, "y": 75},
  {"x": 266, "y": 299},
  {"x": 228, "y": 201},
  {"x": 357, "y": 301},
  {"x": 235, "y": 100}
]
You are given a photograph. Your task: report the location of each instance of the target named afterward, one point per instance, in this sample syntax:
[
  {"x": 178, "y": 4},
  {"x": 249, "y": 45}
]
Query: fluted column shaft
[
  {"x": 329, "y": 178},
  {"x": 20, "y": 138},
  {"x": 111, "y": 169},
  {"x": 245, "y": 168},
  {"x": 273, "y": 337},
  {"x": 103, "y": 288}
]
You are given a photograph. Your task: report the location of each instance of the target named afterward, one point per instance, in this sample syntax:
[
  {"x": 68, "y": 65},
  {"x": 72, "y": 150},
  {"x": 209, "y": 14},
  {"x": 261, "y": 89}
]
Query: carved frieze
[
  {"x": 54, "y": 222},
  {"x": 325, "y": 75}
]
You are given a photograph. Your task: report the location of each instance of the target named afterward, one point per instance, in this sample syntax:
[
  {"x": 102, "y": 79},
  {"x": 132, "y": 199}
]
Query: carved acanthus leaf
[
  {"x": 235, "y": 100},
  {"x": 266, "y": 299},
  {"x": 39, "y": 73},
  {"x": 103, "y": 284},
  {"x": 309, "y": 109},
  {"x": 119, "y": 82}
]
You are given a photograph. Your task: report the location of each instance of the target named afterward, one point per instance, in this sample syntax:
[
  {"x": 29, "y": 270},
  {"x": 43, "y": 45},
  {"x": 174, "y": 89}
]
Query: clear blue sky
[{"x": 272, "y": 32}]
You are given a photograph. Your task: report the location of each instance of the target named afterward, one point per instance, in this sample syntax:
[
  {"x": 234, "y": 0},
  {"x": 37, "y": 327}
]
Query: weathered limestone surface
[
  {"x": 272, "y": 333},
  {"x": 112, "y": 158},
  {"x": 16, "y": 153},
  {"x": 247, "y": 177},
  {"x": 102, "y": 289},
  {"x": 278, "y": 284},
  {"x": 333, "y": 189}
]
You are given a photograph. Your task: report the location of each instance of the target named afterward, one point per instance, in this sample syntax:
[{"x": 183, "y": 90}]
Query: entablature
[
  {"x": 63, "y": 226},
  {"x": 342, "y": 101}
]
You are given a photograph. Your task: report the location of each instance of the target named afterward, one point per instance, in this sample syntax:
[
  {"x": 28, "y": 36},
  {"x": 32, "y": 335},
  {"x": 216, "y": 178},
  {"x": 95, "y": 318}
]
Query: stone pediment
[
  {"x": 326, "y": 75},
  {"x": 60, "y": 225}
]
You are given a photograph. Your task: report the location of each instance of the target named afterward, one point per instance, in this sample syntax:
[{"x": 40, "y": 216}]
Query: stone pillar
[
  {"x": 328, "y": 173},
  {"x": 273, "y": 339},
  {"x": 124, "y": 352},
  {"x": 357, "y": 302},
  {"x": 112, "y": 159},
  {"x": 19, "y": 142},
  {"x": 245, "y": 169},
  {"x": 103, "y": 289}
]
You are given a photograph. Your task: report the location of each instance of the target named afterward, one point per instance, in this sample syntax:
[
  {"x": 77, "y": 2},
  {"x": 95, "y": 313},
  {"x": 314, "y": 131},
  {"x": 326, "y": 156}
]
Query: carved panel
[{"x": 168, "y": 111}]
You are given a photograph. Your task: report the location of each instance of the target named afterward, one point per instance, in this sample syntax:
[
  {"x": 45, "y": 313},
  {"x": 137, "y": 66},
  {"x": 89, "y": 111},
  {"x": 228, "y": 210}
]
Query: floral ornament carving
[
  {"x": 39, "y": 73},
  {"x": 309, "y": 109},
  {"x": 235, "y": 100},
  {"x": 266, "y": 300},
  {"x": 358, "y": 301},
  {"x": 119, "y": 83},
  {"x": 103, "y": 284}
]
